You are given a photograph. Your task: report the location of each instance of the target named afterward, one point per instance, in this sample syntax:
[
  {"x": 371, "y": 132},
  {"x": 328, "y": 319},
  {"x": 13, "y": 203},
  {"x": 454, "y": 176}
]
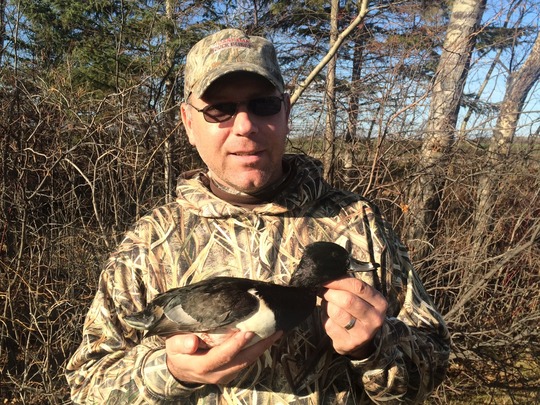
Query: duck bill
[{"x": 357, "y": 266}]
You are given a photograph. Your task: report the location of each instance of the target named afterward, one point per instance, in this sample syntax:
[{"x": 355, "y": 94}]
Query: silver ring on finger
[{"x": 351, "y": 323}]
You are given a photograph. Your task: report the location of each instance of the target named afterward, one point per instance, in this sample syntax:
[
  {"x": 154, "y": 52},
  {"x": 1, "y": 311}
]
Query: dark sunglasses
[{"x": 221, "y": 112}]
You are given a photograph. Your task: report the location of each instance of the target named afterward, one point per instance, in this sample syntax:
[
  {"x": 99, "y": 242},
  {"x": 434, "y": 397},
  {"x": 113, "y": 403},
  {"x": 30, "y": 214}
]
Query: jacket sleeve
[
  {"x": 113, "y": 364},
  {"x": 413, "y": 346}
]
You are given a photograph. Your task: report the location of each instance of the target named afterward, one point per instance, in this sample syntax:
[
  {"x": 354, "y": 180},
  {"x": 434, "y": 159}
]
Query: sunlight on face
[{"x": 245, "y": 152}]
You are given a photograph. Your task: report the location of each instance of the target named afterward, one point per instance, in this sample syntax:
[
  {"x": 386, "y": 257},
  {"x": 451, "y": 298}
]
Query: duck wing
[{"x": 200, "y": 307}]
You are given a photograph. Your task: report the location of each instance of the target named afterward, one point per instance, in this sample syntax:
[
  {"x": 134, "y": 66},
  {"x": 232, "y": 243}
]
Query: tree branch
[{"x": 333, "y": 50}]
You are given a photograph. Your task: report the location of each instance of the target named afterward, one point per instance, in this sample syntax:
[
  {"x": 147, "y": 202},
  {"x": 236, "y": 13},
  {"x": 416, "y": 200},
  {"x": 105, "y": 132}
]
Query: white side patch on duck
[{"x": 262, "y": 322}]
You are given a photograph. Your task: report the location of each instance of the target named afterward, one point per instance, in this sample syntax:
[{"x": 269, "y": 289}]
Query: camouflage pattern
[
  {"x": 228, "y": 51},
  {"x": 198, "y": 236}
]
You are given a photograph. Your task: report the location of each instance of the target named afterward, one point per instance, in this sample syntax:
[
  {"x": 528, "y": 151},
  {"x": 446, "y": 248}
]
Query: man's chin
[{"x": 248, "y": 184}]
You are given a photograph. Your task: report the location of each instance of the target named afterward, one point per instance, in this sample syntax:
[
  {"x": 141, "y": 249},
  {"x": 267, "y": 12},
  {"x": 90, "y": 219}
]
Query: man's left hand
[{"x": 353, "y": 312}]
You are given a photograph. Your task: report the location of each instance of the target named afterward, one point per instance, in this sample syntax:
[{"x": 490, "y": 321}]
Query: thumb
[{"x": 183, "y": 343}]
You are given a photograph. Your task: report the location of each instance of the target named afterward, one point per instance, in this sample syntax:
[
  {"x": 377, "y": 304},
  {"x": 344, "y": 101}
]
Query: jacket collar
[{"x": 304, "y": 187}]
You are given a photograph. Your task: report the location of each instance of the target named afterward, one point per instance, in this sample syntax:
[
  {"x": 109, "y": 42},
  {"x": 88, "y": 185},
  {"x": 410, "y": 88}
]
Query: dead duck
[{"x": 218, "y": 306}]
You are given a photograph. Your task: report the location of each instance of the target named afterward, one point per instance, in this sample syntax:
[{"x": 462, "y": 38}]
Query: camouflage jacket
[{"x": 199, "y": 235}]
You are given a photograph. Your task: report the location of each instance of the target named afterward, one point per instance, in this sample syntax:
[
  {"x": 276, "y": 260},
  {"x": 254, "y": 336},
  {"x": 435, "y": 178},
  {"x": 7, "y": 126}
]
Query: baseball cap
[{"x": 227, "y": 51}]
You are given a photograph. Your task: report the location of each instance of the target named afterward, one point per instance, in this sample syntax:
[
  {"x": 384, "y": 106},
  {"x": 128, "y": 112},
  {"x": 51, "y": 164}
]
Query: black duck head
[{"x": 323, "y": 262}]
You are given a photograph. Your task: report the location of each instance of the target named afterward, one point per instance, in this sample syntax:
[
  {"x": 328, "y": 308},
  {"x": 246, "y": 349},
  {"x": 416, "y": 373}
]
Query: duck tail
[{"x": 142, "y": 320}]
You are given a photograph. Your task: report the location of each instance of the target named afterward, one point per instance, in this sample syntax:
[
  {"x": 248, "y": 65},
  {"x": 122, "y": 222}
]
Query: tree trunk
[
  {"x": 2, "y": 28},
  {"x": 517, "y": 90},
  {"x": 363, "y": 10},
  {"x": 494, "y": 63},
  {"x": 447, "y": 91},
  {"x": 170, "y": 114},
  {"x": 353, "y": 107},
  {"x": 352, "y": 110},
  {"x": 330, "y": 130}
]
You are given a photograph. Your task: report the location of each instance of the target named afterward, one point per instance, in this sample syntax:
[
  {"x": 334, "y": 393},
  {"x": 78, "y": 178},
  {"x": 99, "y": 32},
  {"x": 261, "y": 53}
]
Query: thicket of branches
[{"x": 90, "y": 141}]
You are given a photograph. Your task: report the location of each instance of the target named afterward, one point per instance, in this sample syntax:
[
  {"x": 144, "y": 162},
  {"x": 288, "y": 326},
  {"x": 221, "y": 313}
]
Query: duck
[{"x": 216, "y": 307}]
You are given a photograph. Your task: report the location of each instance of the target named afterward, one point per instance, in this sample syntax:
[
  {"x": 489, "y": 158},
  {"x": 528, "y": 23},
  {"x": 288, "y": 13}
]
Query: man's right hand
[{"x": 191, "y": 362}]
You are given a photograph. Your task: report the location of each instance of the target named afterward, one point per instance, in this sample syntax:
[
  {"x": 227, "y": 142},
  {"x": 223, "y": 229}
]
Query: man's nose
[{"x": 244, "y": 123}]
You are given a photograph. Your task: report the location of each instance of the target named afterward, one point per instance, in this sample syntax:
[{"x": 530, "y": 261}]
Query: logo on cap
[{"x": 231, "y": 43}]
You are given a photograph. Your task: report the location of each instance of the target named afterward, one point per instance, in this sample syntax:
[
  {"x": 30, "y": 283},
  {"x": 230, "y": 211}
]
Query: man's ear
[
  {"x": 287, "y": 102},
  {"x": 185, "y": 112}
]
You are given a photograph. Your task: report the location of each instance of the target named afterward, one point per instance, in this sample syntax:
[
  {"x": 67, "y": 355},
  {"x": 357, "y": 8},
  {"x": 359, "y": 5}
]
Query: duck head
[{"x": 323, "y": 262}]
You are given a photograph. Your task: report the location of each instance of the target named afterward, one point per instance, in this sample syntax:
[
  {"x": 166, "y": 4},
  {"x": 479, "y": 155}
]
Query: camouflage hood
[{"x": 305, "y": 187}]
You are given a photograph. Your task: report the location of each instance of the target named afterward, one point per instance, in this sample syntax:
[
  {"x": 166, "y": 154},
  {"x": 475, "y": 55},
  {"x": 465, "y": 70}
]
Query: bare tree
[
  {"x": 169, "y": 104},
  {"x": 2, "y": 28},
  {"x": 330, "y": 130},
  {"x": 353, "y": 106},
  {"x": 519, "y": 84},
  {"x": 447, "y": 91},
  {"x": 362, "y": 12}
]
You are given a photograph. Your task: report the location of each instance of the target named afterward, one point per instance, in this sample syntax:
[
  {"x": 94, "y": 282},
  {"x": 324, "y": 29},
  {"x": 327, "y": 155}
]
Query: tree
[
  {"x": 362, "y": 12},
  {"x": 330, "y": 130},
  {"x": 169, "y": 104},
  {"x": 518, "y": 86},
  {"x": 3, "y": 6},
  {"x": 447, "y": 91}
]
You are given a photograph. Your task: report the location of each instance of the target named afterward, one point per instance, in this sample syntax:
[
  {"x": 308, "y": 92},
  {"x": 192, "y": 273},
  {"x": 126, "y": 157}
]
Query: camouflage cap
[{"x": 228, "y": 51}]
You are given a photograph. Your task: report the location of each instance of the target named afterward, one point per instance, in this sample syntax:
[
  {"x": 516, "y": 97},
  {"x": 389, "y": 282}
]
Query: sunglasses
[{"x": 221, "y": 112}]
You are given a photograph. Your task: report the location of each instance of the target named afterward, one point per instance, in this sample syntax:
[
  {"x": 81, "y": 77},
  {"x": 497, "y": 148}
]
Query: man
[{"x": 250, "y": 214}]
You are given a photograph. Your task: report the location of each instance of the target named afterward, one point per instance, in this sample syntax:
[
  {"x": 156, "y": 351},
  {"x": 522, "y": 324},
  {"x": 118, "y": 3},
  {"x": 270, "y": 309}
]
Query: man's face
[{"x": 244, "y": 152}]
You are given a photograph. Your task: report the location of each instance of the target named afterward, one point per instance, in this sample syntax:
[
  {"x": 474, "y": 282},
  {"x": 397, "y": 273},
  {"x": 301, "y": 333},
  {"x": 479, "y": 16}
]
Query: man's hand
[
  {"x": 353, "y": 312},
  {"x": 190, "y": 361}
]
